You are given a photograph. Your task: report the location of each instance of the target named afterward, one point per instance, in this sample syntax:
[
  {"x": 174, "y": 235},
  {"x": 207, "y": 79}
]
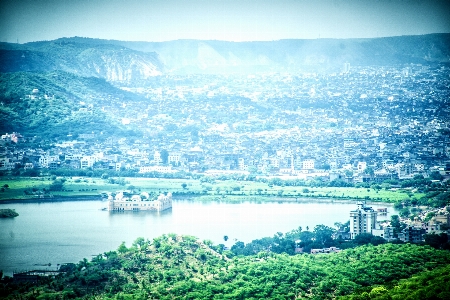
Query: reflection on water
[{"x": 60, "y": 232}]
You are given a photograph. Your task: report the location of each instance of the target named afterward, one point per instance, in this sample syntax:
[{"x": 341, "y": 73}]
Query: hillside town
[{"x": 362, "y": 125}]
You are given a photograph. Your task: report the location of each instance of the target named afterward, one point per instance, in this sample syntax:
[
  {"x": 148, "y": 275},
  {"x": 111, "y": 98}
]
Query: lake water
[{"x": 68, "y": 231}]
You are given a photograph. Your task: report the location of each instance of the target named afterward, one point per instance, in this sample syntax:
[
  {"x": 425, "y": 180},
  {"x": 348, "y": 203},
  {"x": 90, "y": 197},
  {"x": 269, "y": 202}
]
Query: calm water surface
[{"x": 60, "y": 232}]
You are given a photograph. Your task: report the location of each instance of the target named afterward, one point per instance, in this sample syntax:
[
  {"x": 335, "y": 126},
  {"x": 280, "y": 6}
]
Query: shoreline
[
  {"x": 52, "y": 199},
  {"x": 193, "y": 198}
]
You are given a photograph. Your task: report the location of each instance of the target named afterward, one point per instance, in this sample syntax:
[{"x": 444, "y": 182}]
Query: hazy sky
[{"x": 243, "y": 20}]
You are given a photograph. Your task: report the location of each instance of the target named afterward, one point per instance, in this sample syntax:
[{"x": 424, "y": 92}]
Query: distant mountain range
[
  {"x": 124, "y": 61},
  {"x": 111, "y": 62}
]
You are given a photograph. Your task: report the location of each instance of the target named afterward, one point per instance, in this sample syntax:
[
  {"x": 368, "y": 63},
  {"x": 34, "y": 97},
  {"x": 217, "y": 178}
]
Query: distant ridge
[
  {"x": 123, "y": 61},
  {"x": 111, "y": 62}
]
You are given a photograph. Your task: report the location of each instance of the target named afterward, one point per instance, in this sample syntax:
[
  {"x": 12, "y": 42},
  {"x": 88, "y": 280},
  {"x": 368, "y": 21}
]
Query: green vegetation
[
  {"x": 182, "y": 267},
  {"x": 203, "y": 188},
  {"x": 426, "y": 285},
  {"x": 63, "y": 104},
  {"x": 8, "y": 213},
  {"x": 320, "y": 237}
]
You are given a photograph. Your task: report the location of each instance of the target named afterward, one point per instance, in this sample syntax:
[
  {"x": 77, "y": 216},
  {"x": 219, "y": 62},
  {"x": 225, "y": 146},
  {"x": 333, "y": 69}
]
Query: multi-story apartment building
[
  {"x": 174, "y": 158},
  {"x": 362, "y": 220},
  {"x": 412, "y": 234},
  {"x": 385, "y": 232},
  {"x": 308, "y": 164},
  {"x": 157, "y": 158}
]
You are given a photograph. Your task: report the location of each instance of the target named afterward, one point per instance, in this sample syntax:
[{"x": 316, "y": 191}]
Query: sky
[{"x": 244, "y": 20}]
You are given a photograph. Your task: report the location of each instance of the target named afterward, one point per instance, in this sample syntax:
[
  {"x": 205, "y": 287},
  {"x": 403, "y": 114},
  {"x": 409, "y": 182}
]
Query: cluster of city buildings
[
  {"x": 364, "y": 220},
  {"x": 392, "y": 121}
]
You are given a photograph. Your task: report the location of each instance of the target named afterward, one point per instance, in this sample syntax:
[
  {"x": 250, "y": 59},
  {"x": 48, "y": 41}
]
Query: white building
[
  {"x": 157, "y": 158},
  {"x": 174, "y": 158},
  {"x": 308, "y": 164},
  {"x": 242, "y": 165},
  {"x": 45, "y": 160},
  {"x": 87, "y": 162},
  {"x": 6, "y": 164},
  {"x": 362, "y": 165},
  {"x": 125, "y": 201},
  {"x": 362, "y": 220},
  {"x": 386, "y": 233}
]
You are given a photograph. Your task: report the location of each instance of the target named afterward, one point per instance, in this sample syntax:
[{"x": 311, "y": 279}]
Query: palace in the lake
[{"x": 126, "y": 201}]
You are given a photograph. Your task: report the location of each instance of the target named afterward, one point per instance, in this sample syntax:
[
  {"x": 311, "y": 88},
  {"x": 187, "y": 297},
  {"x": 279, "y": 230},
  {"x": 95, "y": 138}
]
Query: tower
[
  {"x": 110, "y": 203},
  {"x": 362, "y": 220},
  {"x": 346, "y": 68}
]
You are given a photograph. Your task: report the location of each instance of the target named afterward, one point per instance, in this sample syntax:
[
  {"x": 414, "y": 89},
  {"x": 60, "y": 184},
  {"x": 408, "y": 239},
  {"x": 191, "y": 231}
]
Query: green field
[{"x": 229, "y": 190}]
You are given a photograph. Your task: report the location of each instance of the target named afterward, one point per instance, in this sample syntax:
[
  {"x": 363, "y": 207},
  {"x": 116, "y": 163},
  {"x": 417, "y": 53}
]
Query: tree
[
  {"x": 139, "y": 242},
  {"x": 326, "y": 167},
  {"x": 252, "y": 169},
  {"x": 368, "y": 238},
  {"x": 369, "y": 171},
  {"x": 395, "y": 222},
  {"x": 323, "y": 235},
  {"x": 57, "y": 185},
  {"x": 225, "y": 238},
  {"x": 429, "y": 216},
  {"x": 122, "y": 248},
  {"x": 306, "y": 237},
  {"x": 377, "y": 292},
  {"x": 435, "y": 175},
  {"x": 404, "y": 212},
  {"x": 438, "y": 241},
  {"x": 338, "y": 225},
  {"x": 184, "y": 185},
  {"x": 376, "y": 187},
  {"x": 164, "y": 156}
]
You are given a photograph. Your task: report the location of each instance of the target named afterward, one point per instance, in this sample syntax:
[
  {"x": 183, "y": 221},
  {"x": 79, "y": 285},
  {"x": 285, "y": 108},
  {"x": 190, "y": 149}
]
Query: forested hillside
[
  {"x": 433, "y": 284},
  {"x": 181, "y": 267},
  {"x": 57, "y": 103},
  {"x": 112, "y": 62},
  {"x": 128, "y": 61},
  {"x": 71, "y": 76}
]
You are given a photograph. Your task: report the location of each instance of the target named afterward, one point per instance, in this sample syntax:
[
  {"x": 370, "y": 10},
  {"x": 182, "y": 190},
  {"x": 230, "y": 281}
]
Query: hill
[
  {"x": 182, "y": 267},
  {"x": 426, "y": 285},
  {"x": 125, "y": 61},
  {"x": 74, "y": 77},
  {"x": 57, "y": 103},
  {"x": 324, "y": 55},
  {"x": 111, "y": 62}
]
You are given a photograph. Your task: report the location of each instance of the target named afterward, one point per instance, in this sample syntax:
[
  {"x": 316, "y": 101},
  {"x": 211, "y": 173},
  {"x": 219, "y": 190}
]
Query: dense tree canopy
[{"x": 182, "y": 267}]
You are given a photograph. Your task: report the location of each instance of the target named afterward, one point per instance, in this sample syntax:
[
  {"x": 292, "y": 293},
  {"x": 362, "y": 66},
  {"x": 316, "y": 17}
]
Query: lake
[{"x": 68, "y": 231}]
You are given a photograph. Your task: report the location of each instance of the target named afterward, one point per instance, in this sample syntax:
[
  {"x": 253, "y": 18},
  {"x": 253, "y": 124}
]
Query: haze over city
[
  {"x": 224, "y": 149},
  {"x": 137, "y": 20}
]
